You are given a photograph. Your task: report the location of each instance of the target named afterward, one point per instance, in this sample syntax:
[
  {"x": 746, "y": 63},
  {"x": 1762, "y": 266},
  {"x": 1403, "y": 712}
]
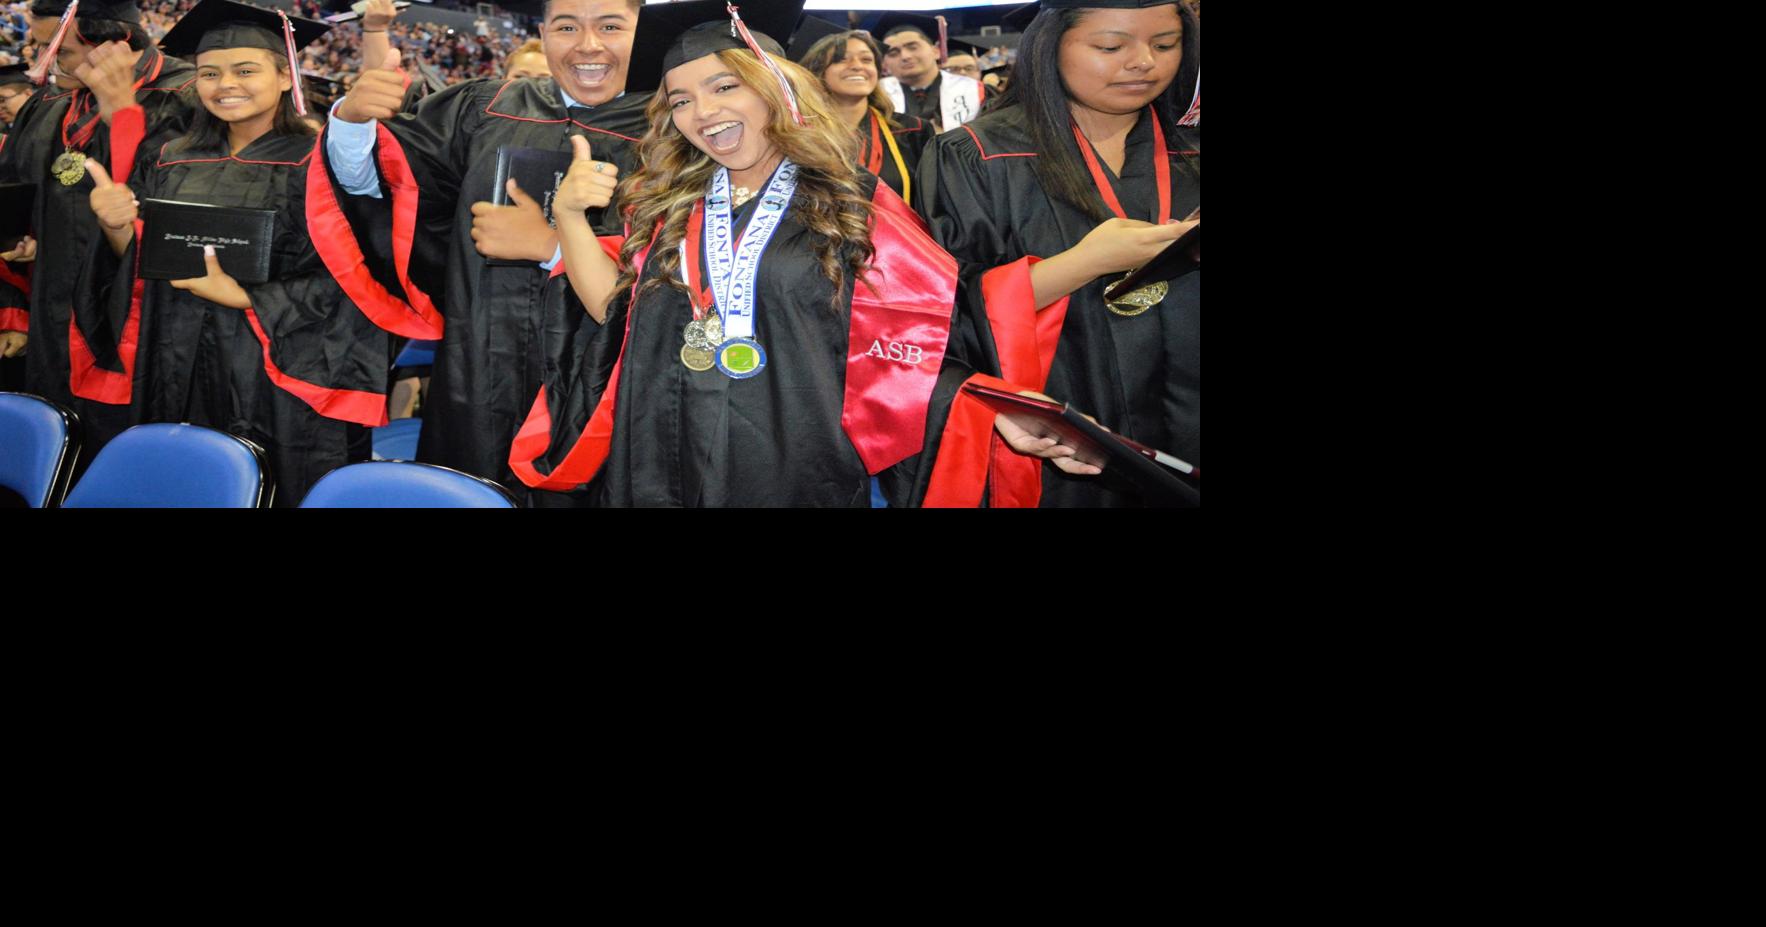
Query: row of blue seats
[{"x": 189, "y": 466}]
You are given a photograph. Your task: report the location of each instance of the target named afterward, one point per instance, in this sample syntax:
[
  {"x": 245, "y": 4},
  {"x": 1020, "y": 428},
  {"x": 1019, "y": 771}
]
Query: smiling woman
[
  {"x": 289, "y": 363},
  {"x": 1088, "y": 168},
  {"x": 775, "y": 328},
  {"x": 890, "y": 143}
]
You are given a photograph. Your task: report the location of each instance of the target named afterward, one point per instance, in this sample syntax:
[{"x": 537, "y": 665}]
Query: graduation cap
[
  {"x": 672, "y": 34},
  {"x": 14, "y": 74},
  {"x": 1021, "y": 17},
  {"x": 813, "y": 29},
  {"x": 983, "y": 43},
  {"x": 120, "y": 11},
  {"x": 932, "y": 27},
  {"x": 214, "y": 24}
]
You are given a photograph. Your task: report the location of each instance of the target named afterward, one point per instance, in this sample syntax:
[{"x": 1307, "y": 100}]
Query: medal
[
  {"x": 740, "y": 358},
  {"x": 1140, "y": 300},
  {"x": 697, "y": 360},
  {"x": 69, "y": 167},
  {"x": 733, "y": 271}
]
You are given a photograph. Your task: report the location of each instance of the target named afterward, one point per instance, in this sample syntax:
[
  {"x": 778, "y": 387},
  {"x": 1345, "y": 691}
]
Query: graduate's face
[
  {"x": 12, "y": 99},
  {"x": 719, "y": 114},
  {"x": 588, "y": 43},
  {"x": 529, "y": 64},
  {"x": 68, "y": 57},
  {"x": 965, "y": 65},
  {"x": 855, "y": 75},
  {"x": 240, "y": 84},
  {"x": 1118, "y": 61},
  {"x": 911, "y": 57}
]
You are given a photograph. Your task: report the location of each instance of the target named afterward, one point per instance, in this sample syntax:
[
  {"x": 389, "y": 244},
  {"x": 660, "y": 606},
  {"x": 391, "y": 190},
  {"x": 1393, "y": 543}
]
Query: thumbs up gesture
[
  {"x": 376, "y": 94},
  {"x": 113, "y": 203},
  {"x": 589, "y": 185}
]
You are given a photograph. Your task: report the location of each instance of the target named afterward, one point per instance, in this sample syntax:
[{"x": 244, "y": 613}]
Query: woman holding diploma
[
  {"x": 772, "y": 329},
  {"x": 1087, "y": 170},
  {"x": 290, "y": 363}
]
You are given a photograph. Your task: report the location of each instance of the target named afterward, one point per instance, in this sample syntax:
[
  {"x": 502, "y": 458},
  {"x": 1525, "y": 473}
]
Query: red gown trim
[
  {"x": 128, "y": 128},
  {"x": 337, "y": 246},
  {"x": 86, "y": 379},
  {"x": 348, "y": 405}
]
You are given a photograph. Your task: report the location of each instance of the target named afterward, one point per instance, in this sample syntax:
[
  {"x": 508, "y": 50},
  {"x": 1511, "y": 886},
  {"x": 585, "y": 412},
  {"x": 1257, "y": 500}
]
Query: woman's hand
[
  {"x": 217, "y": 286},
  {"x": 1121, "y": 245},
  {"x": 589, "y": 185},
  {"x": 1027, "y": 435}
]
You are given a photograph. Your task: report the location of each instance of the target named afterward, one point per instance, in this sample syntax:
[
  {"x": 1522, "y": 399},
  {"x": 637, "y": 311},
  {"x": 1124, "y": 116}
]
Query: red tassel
[{"x": 39, "y": 72}]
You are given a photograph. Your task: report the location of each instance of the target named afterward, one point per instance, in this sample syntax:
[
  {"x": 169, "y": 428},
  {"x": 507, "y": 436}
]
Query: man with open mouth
[{"x": 412, "y": 218}]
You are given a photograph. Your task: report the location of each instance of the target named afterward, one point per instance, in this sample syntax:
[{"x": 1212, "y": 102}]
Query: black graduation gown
[
  {"x": 685, "y": 438},
  {"x": 488, "y": 365},
  {"x": 65, "y": 231},
  {"x": 301, "y": 372},
  {"x": 910, "y": 139},
  {"x": 1140, "y": 376}
]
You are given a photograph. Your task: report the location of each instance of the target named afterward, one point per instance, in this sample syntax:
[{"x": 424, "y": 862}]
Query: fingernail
[{"x": 208, "y": 250}]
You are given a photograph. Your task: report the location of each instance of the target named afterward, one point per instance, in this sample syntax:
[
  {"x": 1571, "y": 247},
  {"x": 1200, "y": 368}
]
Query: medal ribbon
[
  {"x": 876, "y": 159},
  {"x": 697, "y": 294},
  {"x": 1161, "y": 171},
  {"x": 734, "y": 267}
]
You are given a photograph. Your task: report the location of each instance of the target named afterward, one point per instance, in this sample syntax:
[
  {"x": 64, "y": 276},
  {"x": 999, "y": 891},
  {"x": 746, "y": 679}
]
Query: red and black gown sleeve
[
  {"x": 998, "y": 328},
  {"x": 390, "y": 254},
  {"x": 15, "y": 297},
  {"x": 568, "y": 431},
  {"x": 317, "y": 344}
]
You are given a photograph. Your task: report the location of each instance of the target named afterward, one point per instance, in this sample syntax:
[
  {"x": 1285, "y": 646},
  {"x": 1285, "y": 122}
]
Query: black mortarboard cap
[
  {"x": 122, "y": 11},
  {"x": 964, "y": 46},
  {"x": 215, "y": 24},
  {"x": 927, "y": 25},
  {"x": 672, "y": 34},
  {"x": 813, "y": 29},
  {"x": 1021, "y": 17},
  {"x": 48, "y": 7},
  {"x": 14, "y": 74}
]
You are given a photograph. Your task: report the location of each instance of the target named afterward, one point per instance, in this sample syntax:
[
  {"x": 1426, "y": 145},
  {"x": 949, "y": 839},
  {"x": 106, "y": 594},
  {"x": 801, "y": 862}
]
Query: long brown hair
[
  {"x": 831, "y": 49},
  {"x": 829, "y": 200}
]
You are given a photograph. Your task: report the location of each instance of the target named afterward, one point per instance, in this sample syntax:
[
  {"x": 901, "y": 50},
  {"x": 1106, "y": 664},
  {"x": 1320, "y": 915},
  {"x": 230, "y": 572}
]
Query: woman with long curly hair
[
  {"x": 890, "y": 143},
  {"x": 773, "y": 330},
  {"x": 1090, "y": 166}
]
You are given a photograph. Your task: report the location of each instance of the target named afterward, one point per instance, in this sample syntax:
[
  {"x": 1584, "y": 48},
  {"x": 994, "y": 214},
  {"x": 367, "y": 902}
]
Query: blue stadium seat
[
  {"x": 175, "y": 466},
  {"x": 397, "y": 439},
  {"x": 39, "y": 442},
  {"x": 390, "y": 484}
]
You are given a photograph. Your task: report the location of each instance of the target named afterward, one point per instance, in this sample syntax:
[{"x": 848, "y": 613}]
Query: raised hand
[
  {"x": 377, "y": 94},
  {"x": 109, "y": 72},
  {"x": 589, "y": 185},
  {"x": 113, "y": 203}
]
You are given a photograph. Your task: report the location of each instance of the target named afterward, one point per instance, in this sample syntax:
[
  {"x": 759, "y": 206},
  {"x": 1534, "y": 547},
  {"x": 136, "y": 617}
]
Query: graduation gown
[
  {"x": 81, "y": 368},
  {"x": 879, "y": 157},
  {"x": 15, "y": 316},
  {"x": 1139, "y": 376},
  {"x": 422, "y": 278},
  {"x": 850, "y": 389},
  {"x": 292, "y": 373}
]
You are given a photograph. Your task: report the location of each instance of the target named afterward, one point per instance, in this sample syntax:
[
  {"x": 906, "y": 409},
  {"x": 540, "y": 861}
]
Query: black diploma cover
[{"x": 173, "y": 234}]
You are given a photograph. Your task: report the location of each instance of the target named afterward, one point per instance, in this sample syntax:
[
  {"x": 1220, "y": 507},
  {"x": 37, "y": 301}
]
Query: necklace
[
  {"x": 1139, "y": 301},
  {"x": 742, "y": 195}
]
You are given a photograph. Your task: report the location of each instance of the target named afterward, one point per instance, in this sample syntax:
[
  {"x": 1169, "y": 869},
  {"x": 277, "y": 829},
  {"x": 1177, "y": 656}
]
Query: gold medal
[
  {"x": 1140, "y": 300},
  {"x": 697, "y": 360},
  {"x": 69, "y": 167}
]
